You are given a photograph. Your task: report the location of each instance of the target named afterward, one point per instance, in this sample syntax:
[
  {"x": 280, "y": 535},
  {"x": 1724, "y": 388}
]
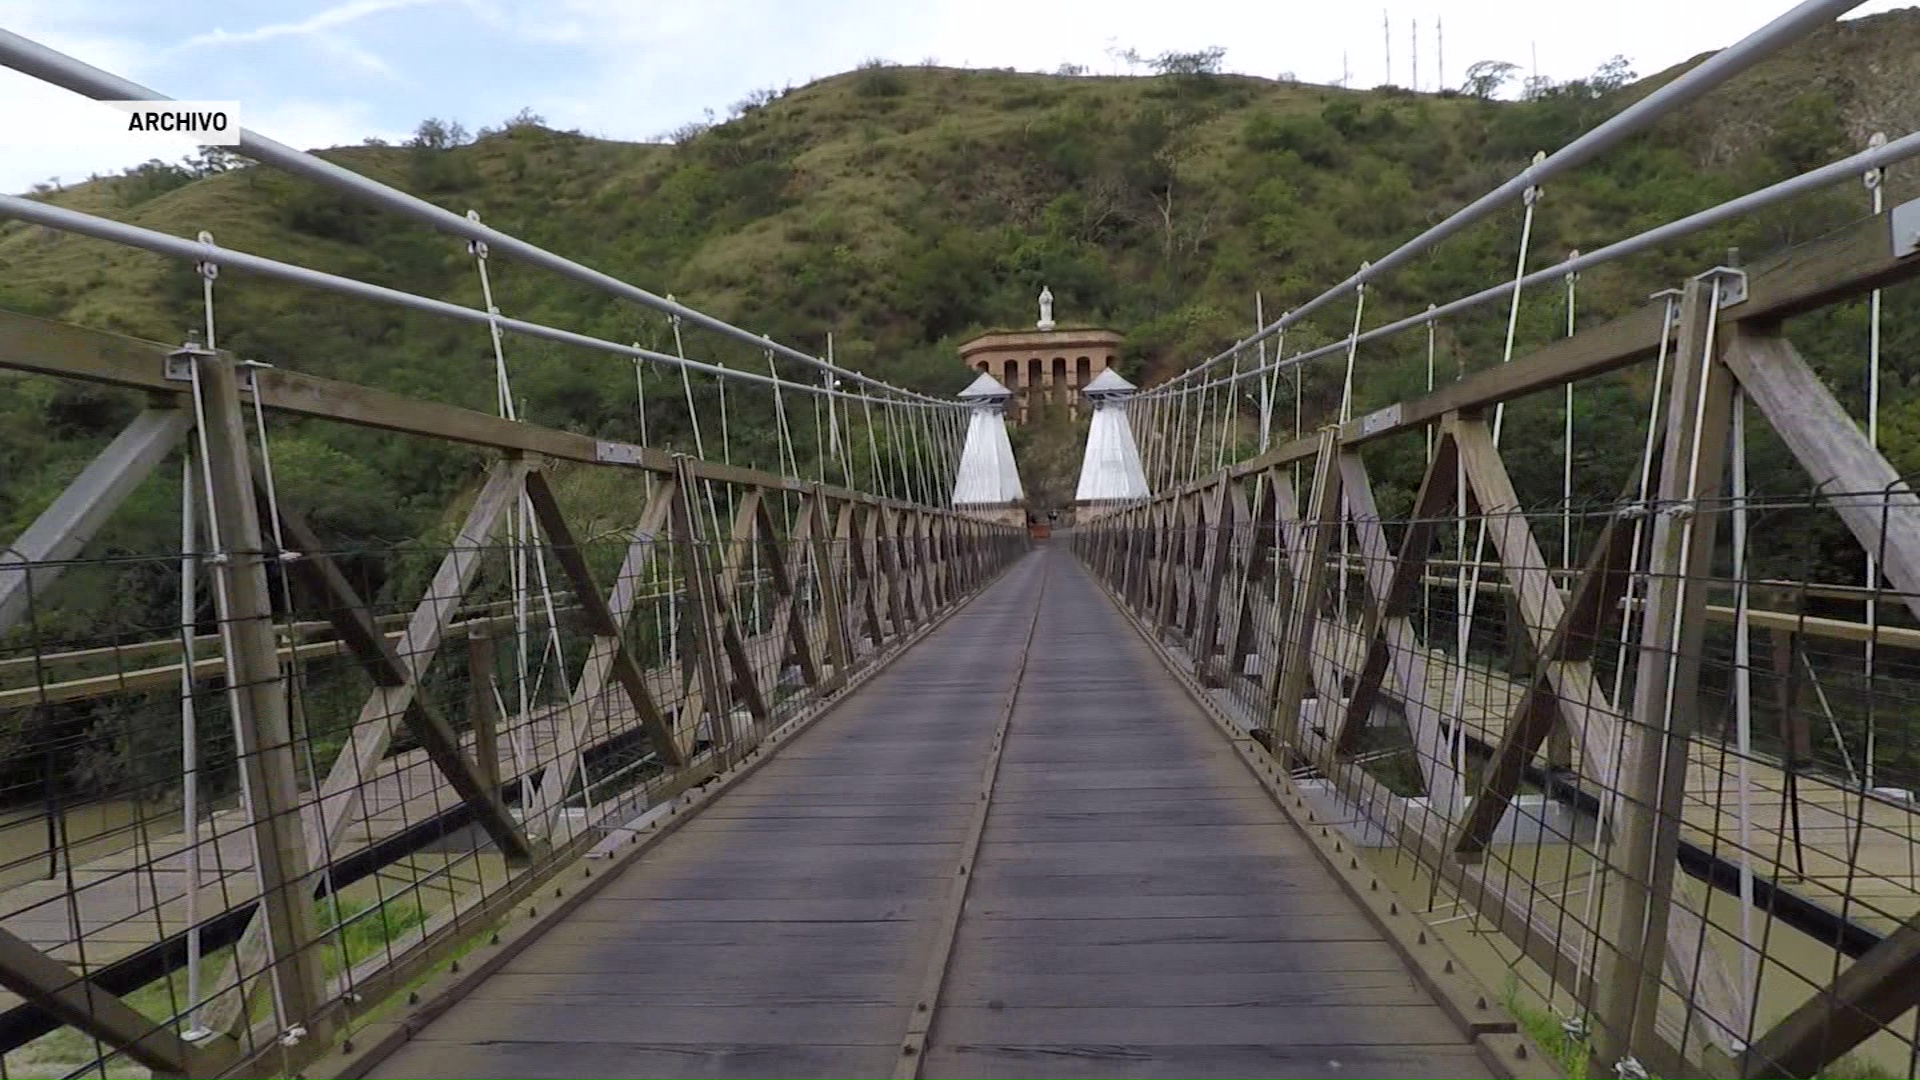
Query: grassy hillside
[{"x": 904, "y": 208}]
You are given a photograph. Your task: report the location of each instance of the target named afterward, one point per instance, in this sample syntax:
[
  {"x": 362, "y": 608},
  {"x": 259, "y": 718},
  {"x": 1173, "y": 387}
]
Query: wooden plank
[
  {"x": 1317, "y": 924},
  {"x": 614, "y": 1057},
  {"x": 1336, "y": 1025},
  {"x": 592, "y": 1020},
  {"x": 1261, "y": 1058}
]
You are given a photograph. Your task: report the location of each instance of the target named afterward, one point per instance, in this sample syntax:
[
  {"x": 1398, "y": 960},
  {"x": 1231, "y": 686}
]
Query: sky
[{"x": 317, "y": 73}]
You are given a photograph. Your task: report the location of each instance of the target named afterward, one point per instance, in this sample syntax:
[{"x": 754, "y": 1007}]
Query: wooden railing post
[
  {"x": 262, "y": 732},
  {"x": 483, "y": 712},
  {"x": 1653, "y": 764}
]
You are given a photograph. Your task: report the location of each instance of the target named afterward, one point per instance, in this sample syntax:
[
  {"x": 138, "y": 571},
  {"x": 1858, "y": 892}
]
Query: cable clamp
[
  {"x": 476, "y": 248},
  {"x": 294, "y": 1035},
  {"x": 208, "y": 267},
  {"x": 1629, "y": 1068}
]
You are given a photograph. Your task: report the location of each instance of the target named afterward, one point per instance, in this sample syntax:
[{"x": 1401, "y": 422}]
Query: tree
[
  {"x": 1201, "y": 62},
  {"x": 1485, "y": 78},
  {"x": 1613, "y": 75},
  {"x": 436, "y": 134}
]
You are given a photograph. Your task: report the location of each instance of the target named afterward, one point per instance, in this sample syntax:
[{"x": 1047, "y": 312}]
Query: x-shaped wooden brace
[
  {"x": 340, "y": 798},
  {"x": 608, "y": 658},
  {"x": 1386, "y": 630}
]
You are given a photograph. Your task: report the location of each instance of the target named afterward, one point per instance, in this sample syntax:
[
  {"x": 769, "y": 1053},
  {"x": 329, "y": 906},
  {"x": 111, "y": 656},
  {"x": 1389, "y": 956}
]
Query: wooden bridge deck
[{"x": 1137, "y": 906}]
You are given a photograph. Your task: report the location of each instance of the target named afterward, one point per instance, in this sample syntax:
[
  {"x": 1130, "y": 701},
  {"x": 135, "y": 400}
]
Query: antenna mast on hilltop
[
  {"x": 1343, "y": 69},
  {"x": 1414, "y": 37},
  {"x": 1440, "y": 46},
  {"x": 1386, "y": 38}
]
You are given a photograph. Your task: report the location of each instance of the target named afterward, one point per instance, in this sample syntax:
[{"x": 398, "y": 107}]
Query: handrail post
[
  {"x": 262, "y": 732},
  {"x": 1653, "y": 762}
]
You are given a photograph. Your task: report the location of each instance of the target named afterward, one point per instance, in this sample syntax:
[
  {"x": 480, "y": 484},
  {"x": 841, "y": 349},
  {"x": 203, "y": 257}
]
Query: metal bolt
[
  {"x": 454, "y": 967},
  {"x": 1520, "y": 1051},
  {"x": 1447, "y": 967},
  {"x": 1480, "y": 1003},
  {"x": 413, "y": 997},
  {"x": 1423, "y": 937}
]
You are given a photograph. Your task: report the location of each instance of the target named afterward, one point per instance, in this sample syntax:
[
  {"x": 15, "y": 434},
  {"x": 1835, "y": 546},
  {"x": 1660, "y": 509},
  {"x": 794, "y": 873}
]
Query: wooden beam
[
  {"x": 74, "y": 1000},
  {"x": 1878, "y": 507},
  {"x": 38, "y": 556},
  {"x": 746, "y": 520},
  {"x": 49, "y": 347},
  {"x": 1870, "y": 995},
  {"x": 840, "y": 651}
]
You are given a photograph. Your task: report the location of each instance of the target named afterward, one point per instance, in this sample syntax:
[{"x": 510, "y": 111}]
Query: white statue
[{"x": 1046, "y": 309}]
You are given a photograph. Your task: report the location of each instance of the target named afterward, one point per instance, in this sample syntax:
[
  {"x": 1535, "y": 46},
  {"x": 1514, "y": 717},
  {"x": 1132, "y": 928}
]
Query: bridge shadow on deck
[{"x": 1138, "y": 908}]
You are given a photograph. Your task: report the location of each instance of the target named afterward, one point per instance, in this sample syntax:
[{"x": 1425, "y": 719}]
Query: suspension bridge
[{"x": 828, "y": 767}]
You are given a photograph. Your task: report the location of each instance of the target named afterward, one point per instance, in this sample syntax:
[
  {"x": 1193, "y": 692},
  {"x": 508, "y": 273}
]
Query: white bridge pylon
[
  {"x": 987, "y": 475},
  {"x": 1110, "y": 470}
]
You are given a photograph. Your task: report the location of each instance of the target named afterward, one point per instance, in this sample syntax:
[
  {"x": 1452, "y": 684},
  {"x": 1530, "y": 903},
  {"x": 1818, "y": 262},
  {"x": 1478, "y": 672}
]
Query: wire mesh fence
[
  {"x": 279, "y": 777},
  {"x": 1668, "y": 800}
]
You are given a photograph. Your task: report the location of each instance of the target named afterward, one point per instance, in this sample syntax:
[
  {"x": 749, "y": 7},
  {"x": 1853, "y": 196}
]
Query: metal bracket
[
  {"x": 1380, "y": 420},
  {"x": 1906, "y": 228},
  {"x": 178, "y": 365},
  {"x": 1729, "y": 285},
  {"x": 616, "y": 453}
]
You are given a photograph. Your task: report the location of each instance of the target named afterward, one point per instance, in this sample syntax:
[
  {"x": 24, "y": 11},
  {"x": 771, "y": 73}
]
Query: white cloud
[{"x": 329, "y": 19}]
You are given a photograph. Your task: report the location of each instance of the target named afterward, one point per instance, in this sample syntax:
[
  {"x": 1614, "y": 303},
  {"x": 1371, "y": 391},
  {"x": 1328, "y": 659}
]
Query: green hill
[{"x": 902, "y": 208}]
